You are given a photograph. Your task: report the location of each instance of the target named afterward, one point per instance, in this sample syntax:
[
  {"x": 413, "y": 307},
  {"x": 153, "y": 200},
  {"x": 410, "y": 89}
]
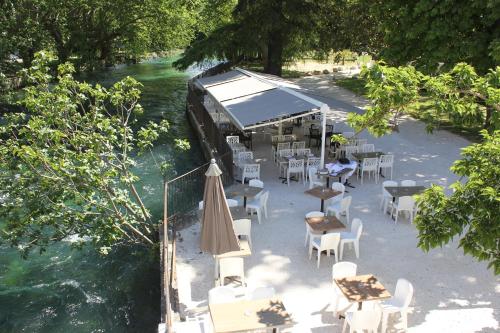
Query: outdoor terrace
[{"x": 452, "y": 292}]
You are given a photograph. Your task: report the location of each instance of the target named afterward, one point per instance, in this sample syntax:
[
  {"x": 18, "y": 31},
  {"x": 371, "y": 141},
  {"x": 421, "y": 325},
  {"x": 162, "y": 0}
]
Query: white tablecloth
[{"x": 334, "y": 168}]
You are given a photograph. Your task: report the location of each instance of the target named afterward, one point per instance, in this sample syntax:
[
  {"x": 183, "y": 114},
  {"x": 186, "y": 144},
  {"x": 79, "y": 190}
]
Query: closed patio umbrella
[{"x": 217, "y": 233}]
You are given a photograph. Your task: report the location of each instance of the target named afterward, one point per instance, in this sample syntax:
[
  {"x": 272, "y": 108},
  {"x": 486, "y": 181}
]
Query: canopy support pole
[
  {"x": 324, "y": 109},
  {"x": 280, "y": 128}
]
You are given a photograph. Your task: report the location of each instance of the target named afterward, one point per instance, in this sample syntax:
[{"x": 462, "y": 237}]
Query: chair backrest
[
  {"x": 304, "y": 152},
  {"x": 251, "y": 171},
  {"x": 283, "y": 145},
  {"x": 344, "y": 269},
  {"x": 356, "y": 227},
  {"x": 262, "y": 293},
  {"x": 245, "y": 155},
  {"x": 263, "y": 198},
  {"x": 314, "y": 214},
  {"x": 408, "y": 183},
  {"x": 370, "y": 163},
  {"x": 296, "y": 165},
  {"x": 256, "y": 183},
  {"x": 386, "y": 160},
  {"x": 336, "y": 186},
  {"x": 299, "y": 145},
  {"x": 289, "y": 137},
  {"x": 221, "y": 294},
  {"x": 231, "y": 267},
  {"x": 313, "y": 162},
  {"x": 232, "y": 139},
  {"x": 236, "y": 151},
  {"x": 406, "y": 203},
  {"x": 345, "y": 203},
  {"x": 365, "y": 320},
  {"x": 368, "y": 148},
  {"x": 232, "y": 202},
  {"x": 330, "y": 241},
  {"x": 276, "y": 138},
  {"x": 285, "y": 152},
  {"x": 349, "y": 150},
  {"x": 403, "y": 293},
  {"x": 242, "y": 227}
]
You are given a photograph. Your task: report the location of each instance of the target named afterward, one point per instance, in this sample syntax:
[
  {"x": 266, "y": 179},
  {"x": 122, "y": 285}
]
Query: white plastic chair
[
  {"x": 349, "y": 150},
  {"x": 399, "y": 303},
  {"x": 326, "y": 243},
  {"x": 302, "y": 152},
  {"x": 351, "y": 237},
  {"x": 261, "y": 293},
  {"x": 282, "y": 154},
  {"x": 244, "y": 156},
  {"x": 243, "y": 227},
  {"x": 386, "y": 197},
  {"x": 341, "y": 270},
  {"x": 314, "y": 179},
  {"x": 295, "y": 167},
  {"x": 281, "y": 146},
  {"x": 232, "y": 203},
  {"x": 386, "y": 162},
  {"x": 221, "y": 294},
  {"x": 259, "y": 205},
  {"x": 298, "y": 145},
  {"x": 289, "y": 137},
  {"x": 232, "y": 139},
  {"x": 368, "y": 148},
  {"x": 340, "y": 208},
  {"x": 369, "y": 165},
  {"x": 404, "y": 204},
  {"x": 200, "y": 205},
  {"x": 408, "y": 183},
  {"x": 339, "y": 187},
  {"x": 229, "y": 267},
  {"x": 312, "y": 162},
  {"x": 361, "y": 321},
  {"x": 250, "y": 171},
  {"x": 310, "y": 233}
]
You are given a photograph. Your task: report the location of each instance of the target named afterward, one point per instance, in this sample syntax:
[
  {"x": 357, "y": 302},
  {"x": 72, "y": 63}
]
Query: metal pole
[
  {"x": 324, "y": 109},
  {"x": 166, "y": 278}
]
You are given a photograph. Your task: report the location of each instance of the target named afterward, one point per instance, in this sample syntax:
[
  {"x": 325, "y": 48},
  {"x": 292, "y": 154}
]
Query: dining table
[
  {"x": 322, "y": 194},
  {"x": 362, "y": 288},
  {"x": 250, "y": 315},
  {"x": 403, "y": 191},
  {"x": 324, "y": 224},
  {"x": 244, "y": 191}
]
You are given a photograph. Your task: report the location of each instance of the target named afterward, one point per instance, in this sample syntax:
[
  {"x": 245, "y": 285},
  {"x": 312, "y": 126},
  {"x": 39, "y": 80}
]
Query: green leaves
[
  {"x": 65, "y": 165},
  {"x": 472, "y": 210}
]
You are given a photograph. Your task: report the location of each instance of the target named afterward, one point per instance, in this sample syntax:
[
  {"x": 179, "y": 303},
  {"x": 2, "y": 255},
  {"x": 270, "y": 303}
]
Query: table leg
[
  {"x": 322, "y": 205},
  {"x": 327, "y": 182},
  {"x": 360, "y": 306},
  {"x": 244, "y": 202}
]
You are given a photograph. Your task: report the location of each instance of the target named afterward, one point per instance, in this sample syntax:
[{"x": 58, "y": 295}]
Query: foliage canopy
[{"x": 65, "y": 163}]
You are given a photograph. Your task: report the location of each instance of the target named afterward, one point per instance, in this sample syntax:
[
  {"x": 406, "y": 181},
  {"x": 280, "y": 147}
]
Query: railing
[
  {"x": 212, "y": 133},
  {"x": 182, "y": 194}
]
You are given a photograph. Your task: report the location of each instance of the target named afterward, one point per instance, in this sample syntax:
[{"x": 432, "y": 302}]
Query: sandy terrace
[{"x": 453, "y": 292}]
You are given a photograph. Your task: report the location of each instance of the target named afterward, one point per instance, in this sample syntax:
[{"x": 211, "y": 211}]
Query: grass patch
[{"x": 354, "y": 84}]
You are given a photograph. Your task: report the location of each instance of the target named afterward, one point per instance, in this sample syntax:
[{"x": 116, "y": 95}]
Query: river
[{"x": 66, "y": 290}]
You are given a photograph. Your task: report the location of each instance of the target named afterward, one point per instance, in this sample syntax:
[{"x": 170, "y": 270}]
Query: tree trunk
[
  {"x": 487, "y": 121},
  {"x": 274, "y": 54}
]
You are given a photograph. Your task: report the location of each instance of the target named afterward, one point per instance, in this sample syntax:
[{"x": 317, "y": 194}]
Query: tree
[
  {"x": 65, "y": 163},
  {"x": 459, "y": 95},
  {"x": 278, "y": 31},
  {"x": 472, "y": 211},
  {"x": 428, "y": 32},
  {"x": 93, "y": 33}
]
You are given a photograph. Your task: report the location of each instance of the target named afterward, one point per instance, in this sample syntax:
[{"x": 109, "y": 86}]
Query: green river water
[{"x": 65, "y": 290}]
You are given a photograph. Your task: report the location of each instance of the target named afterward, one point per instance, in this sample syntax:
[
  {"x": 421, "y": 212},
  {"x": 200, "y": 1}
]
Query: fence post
[{"x": 166, "y": 278}]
